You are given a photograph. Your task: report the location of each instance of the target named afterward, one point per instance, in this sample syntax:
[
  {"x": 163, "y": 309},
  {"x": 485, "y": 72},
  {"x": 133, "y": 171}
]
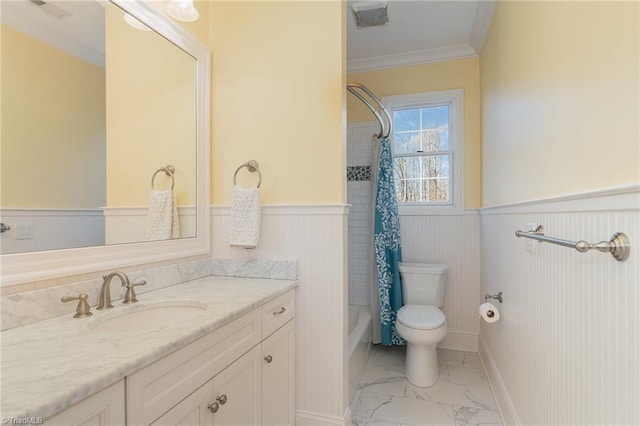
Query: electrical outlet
[
  {"x": 24, "y": 231},
  {"x": 530, "y": 245}
]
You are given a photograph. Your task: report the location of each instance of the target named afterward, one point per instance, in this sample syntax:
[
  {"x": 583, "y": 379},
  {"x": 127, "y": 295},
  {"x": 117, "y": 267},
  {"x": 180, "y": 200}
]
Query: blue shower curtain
[{"x": 388, "y": 251}]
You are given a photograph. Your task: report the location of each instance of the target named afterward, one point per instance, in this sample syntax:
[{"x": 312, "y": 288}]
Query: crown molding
[
  {"x": 440, "y": 54},
  {"x": 481, "y": 24}
]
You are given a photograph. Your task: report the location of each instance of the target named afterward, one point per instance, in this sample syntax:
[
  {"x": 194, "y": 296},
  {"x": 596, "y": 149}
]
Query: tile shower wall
[{"x": 359, "y": 196}]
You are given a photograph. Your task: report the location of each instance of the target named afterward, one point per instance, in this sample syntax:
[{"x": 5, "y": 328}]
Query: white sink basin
[{"x": 147, "y": 317}]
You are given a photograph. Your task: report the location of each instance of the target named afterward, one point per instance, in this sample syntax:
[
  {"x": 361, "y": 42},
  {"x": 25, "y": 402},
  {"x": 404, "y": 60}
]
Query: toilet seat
[{"x": 421, "y": 317}]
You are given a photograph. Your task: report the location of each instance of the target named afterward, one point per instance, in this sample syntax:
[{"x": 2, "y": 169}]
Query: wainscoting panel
[
  {"x": 454, "y": 241},
  {"x": 51, "y": 229},
  {"x": 315, "y": 236},
  {"x": 565, "y": 350},
  {"x": 128, "y": 224}
]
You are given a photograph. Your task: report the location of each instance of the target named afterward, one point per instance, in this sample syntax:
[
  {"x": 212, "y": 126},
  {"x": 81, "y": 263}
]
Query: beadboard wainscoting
[
  {"x": 565, "y": 350},
  {"x": 50, "y": 229},
  {"x": 128, "y": 224},
  {"x": 453, "y": 240},
  {"x": 314, "y": 236}
]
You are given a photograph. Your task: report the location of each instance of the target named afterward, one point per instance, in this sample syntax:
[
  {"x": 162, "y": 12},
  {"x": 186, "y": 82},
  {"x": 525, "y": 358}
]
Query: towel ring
[
  {"x": 169, "y": 171},
  {"x": 252, "y": 165}
]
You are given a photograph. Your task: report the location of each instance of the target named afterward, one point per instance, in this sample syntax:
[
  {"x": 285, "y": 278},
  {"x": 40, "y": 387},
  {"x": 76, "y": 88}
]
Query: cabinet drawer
[
  {"x": 277, "y": 312},
  {"x": 155, "y": 389}
]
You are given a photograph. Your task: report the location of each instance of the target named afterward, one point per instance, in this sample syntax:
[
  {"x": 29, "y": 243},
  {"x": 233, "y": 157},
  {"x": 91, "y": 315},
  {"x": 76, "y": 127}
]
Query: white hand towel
[
  {"x": 245, "y": 217},
  {"x": 163, "y": 222}
]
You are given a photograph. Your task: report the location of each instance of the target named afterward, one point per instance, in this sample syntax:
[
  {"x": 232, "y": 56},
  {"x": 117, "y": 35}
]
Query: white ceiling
[
  {"x": 419, "y": 31},
  {"x": 80, "y": 34}
]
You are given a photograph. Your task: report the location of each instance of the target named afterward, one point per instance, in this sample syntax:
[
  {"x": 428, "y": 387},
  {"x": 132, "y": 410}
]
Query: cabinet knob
[
  {"x": 222, "y": 399},
  {"x": 268, "y": 358},
  {"x": 213, "y": 407}
]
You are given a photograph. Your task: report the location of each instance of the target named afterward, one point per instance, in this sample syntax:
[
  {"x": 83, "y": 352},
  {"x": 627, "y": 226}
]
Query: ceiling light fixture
[
  {"x": 182, "y": 10},
  {"x": 370, "y": 13},
  {"x": 135, "y": 23}
]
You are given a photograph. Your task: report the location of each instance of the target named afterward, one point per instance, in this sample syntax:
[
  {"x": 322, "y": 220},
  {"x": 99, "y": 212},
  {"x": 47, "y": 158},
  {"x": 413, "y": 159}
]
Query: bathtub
[{"x": 359, "y": 343}]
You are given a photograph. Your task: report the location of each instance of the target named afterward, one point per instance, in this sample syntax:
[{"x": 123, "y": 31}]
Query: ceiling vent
[
  {"x": 370, "y": 13},
  {"x": 51, "y": 9}
]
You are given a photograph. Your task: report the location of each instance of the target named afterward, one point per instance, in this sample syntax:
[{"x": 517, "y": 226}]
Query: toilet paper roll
[{"x": 489, "y": 312}]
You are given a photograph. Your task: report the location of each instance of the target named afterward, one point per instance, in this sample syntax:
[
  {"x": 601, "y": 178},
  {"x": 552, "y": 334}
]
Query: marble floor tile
[
  {"x": 364, "y": 421},
  {"x": 403, "y": 410},
  {"x": 466, "y": 376},
  {"x": 448, "y": 357},
  {"x": 391, "y": 358},
  {"x": 454, "y": 394},
  {"x": 465, "y": 416},
  {"x": 461, "y": 396}
]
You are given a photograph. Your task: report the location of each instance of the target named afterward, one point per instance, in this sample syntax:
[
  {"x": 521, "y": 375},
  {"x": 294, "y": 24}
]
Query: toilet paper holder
[{"x": 498, "y": 297}]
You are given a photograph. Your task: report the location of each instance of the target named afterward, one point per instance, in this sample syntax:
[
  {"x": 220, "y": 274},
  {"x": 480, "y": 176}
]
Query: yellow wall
[
  {"x": 429, "y": 77},
  {"x": 560, "y": 94},
  {"x": 278, "y": 93},
  {"x": 151, "y": 109},
  {"x": 53, "y": 128}
]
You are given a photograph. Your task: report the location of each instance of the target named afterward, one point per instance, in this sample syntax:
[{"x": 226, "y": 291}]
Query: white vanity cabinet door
[
  {"x": 105, "y": 408},
  {"x": 278, "y": 379},
  {"x": 163, "y": 384},
  {"x": 230, "y": 398},
  {"x": 237, "y": 391},
  {"x": 192, "y": 411}
]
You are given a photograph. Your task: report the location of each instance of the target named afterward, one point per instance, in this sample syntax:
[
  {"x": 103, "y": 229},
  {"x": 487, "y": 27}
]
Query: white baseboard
[
  {"x": 460, "y": 340},
  {"x": 306, "y": 418},
  {"x": 505, "y": 405}
]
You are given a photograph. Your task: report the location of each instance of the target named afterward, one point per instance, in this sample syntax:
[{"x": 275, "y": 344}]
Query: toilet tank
[{"x": 423, "y": 284}]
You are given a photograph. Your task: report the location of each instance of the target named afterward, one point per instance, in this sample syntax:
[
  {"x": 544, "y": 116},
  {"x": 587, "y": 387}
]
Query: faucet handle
[
  {"x": 83, "y": 309},
  {"x": 130, "y": 295}
]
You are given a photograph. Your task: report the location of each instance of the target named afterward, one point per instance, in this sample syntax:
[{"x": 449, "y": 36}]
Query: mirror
[
  {"x": 94, "y": 104},
  {"x": 87, "y": 121}
]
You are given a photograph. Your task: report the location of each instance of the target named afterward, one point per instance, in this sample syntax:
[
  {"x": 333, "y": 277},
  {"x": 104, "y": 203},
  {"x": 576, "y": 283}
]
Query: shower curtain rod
[{"x": 385, "y": 131}]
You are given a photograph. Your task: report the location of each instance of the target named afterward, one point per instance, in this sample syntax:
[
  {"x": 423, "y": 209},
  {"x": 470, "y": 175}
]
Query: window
[{"x": 426, "y": 143}]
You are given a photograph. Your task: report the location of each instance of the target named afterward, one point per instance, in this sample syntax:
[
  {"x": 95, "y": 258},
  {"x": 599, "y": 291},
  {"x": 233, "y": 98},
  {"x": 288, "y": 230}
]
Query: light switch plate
[{"x": 24, "y": 231}]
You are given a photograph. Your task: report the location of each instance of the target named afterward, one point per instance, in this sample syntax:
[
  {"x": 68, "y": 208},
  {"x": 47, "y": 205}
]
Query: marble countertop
[{"x": 47, "y": 366}]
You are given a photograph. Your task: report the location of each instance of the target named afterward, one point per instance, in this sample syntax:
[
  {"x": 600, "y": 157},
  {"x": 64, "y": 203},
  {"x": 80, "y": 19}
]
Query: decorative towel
[
  {"x": 162, "y": 219},
  {"x": 245, "y": 217}
]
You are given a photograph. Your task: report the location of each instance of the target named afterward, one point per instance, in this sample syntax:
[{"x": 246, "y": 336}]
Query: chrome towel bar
[{"x": 618, "y": 245}]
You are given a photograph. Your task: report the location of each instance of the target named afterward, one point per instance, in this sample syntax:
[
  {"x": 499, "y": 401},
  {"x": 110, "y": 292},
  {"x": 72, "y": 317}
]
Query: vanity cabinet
[
  {"x": 231, "y": 398},
  {"x": 241, "y": 374},
  {"x": 103, "y": 408},
  {"x": 278, "y": 377}
]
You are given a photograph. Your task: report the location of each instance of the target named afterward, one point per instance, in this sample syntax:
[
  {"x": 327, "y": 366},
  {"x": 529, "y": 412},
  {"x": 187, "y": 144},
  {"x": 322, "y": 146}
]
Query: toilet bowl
[
  {"x": 420, "y": 321},
  {"x": 423, "y": 327}
]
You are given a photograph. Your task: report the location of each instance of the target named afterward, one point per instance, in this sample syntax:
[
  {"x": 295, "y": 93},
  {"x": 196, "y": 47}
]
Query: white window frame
[{"x": 454, "y": 100}]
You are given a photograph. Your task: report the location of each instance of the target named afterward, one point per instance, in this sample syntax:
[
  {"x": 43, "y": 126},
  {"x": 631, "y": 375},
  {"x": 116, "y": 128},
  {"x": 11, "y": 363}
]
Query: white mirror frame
[{"x": 22, "y": 268}]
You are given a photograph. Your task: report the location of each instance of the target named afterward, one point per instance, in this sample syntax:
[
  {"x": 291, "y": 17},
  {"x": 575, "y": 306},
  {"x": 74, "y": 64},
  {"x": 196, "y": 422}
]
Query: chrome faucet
[{"x": 105, "y": 291}]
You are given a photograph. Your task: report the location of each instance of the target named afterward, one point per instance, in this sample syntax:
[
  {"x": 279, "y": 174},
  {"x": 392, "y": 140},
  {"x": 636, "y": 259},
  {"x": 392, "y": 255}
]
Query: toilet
[{"x": 420, "y": 321}]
